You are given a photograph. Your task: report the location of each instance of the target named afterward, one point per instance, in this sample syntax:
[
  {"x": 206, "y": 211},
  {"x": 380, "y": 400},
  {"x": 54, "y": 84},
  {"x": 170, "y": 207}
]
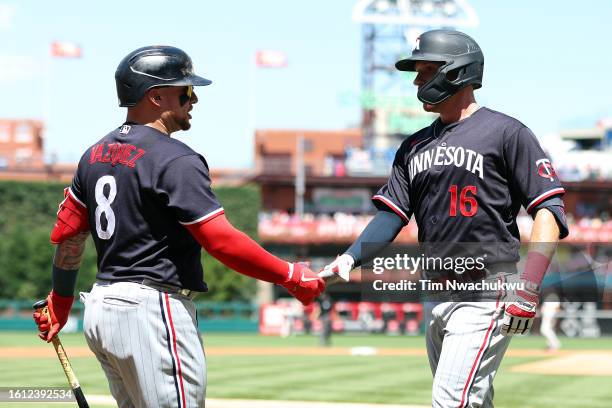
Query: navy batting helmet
[
  {"x": 461, "y": 58},
  {"x": 149, "y": 67}
]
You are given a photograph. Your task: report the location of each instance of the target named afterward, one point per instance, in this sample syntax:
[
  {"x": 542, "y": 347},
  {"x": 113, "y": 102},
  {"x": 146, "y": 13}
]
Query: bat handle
[
  {"x": 70, "y": 376},
  {"x": 78, "y": 395},
  {"x": 40, "y": 304},
  {"x": 66, "y": 366},
  {"x": 61, "y": 354}
]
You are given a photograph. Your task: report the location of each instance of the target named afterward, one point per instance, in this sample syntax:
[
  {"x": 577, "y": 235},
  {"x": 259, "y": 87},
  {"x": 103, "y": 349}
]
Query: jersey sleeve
[
  {"x": 76, "y": 189},
  {"x": 531, "y": 173},
  {"x": 186, "y": 188},
  {"x": 556, "y": 206},
  {"x": 394, "y": 195}
]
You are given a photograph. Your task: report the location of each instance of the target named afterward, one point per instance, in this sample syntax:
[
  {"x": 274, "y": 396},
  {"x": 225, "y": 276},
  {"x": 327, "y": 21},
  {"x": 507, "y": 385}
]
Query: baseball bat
[{"x": 41, "y": 306}]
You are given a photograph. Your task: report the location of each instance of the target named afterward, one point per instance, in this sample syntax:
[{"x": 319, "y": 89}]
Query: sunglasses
[{"x": 185, "y": 96}]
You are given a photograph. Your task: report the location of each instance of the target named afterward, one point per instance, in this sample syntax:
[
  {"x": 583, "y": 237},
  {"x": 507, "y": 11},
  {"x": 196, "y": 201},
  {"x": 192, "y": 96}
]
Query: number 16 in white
[{"x": 104, "y": 206}]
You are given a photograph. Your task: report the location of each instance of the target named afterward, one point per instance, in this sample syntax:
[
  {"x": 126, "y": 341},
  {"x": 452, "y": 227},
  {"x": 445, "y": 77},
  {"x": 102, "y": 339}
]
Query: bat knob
[{"x": 40, "y": 304}]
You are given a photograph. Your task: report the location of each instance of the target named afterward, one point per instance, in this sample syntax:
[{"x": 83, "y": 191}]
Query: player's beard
[
  {"x": 182, "y": 120},
  {"x": 184, "y": 124}
]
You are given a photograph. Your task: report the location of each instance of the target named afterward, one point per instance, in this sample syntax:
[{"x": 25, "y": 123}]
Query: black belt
[{"x": 162, "y": 287}]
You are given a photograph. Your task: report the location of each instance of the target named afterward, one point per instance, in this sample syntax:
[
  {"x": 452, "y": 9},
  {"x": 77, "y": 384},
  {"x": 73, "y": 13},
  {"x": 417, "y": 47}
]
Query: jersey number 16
[{"x": 468, "y": 206}]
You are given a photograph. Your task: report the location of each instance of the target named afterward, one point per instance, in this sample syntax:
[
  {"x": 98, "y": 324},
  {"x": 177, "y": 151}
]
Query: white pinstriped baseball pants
[
  {"x": 148, "y": 344},
  {"x": 465, "y": 348}
]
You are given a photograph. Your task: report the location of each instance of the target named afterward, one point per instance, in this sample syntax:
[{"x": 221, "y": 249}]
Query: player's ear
[{"x": 154, "y": 96}]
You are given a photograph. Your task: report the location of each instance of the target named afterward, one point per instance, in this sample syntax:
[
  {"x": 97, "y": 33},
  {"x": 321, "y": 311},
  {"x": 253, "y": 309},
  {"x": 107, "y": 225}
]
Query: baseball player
[
  {"x": 550, "y": 308},
  {"x": 147, "y": 202},
  {"x": 464, "y": 179}
]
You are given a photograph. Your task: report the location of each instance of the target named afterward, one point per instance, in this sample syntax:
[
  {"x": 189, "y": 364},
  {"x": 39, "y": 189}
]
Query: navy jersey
[
  {"x": 466, "y": 181},
  {"x": 139, "y": 185}
]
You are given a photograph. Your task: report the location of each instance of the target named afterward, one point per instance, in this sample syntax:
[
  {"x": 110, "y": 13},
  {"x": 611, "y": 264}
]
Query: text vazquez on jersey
[{"x": 116, "y": 153}]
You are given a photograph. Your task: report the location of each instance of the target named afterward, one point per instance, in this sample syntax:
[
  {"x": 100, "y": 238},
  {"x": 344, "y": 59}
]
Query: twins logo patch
[
  {"x": 545, "y": 169},
  {"x": 125, "y": 129}
]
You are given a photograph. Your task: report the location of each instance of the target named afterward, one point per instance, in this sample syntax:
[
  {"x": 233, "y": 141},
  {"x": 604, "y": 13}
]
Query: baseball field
[{"x": 357, "y": 371}]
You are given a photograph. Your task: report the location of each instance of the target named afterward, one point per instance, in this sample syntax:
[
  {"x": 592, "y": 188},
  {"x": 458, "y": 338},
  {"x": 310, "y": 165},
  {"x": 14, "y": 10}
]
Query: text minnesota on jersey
[{"x": 445, "y": 156}]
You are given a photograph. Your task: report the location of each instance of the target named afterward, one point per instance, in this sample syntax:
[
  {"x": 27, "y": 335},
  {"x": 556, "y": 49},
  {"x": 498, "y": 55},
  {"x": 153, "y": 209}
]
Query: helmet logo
[
  {"x": 186, "y": 71},
  {"x": 417, "y": 44},
  {"x": 187, "y": 68}
]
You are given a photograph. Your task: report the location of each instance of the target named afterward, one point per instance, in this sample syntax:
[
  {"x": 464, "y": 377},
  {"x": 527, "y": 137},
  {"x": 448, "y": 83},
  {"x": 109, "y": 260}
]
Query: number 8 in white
[{"x": 104, "y": 206}]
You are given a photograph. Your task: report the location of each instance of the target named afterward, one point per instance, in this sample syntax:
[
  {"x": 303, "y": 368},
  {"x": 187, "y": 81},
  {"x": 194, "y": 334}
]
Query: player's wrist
[
  {"x": 61, "y": 301},
  {"x": 529, "y": 294},
  {"x": 536, "y": 264},
  {"x": 63, "y": 281}
]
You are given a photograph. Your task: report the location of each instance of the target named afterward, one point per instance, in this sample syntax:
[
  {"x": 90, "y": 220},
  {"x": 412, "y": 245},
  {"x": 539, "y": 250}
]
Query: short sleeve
[
  {"x": 395, "y": 194},
  {"x": 556, "y": 206},
  {"x": 186, "y": 188},
  {"x": 76, "y": 188},
  {"x": 531, "y": 173}
]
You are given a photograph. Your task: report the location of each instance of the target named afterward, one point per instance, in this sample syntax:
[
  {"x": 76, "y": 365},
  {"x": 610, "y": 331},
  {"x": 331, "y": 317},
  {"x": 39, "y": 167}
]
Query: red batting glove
[
  {"x": 519, "y": 314},
  {"x": 521, "y": 310},
  {"x": 59, "y": 309},
  {"x": 303, "y": 283}
]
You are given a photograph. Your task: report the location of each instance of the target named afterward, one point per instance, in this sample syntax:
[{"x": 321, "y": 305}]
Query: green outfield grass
[{"x": 380, "y": 379}]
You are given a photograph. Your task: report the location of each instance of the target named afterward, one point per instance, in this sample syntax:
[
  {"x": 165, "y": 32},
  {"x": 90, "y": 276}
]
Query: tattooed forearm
[{"x": 69, "y": 253}]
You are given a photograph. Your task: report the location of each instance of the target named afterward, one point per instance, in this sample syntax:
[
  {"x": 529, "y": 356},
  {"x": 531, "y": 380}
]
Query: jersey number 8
[{"x": 104, "y": 206}]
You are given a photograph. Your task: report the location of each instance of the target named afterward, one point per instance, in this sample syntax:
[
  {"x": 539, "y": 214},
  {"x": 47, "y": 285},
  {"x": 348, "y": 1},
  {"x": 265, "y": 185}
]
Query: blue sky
[{"x": 547, "y": 63}]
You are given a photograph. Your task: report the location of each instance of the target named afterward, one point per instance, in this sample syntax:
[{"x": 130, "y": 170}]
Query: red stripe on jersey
[
  {"x": 74, "y": 196},
  {"x": 205, "y": 217},
  {"x": 478, "y": 357},
  {"x": 544, "y": 196},
  {"x": 392, "y": 206},
  {"x": 175, "y": 350}
]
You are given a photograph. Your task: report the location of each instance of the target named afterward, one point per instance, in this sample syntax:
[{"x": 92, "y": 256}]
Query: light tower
[{"x": 390, "y": 110}]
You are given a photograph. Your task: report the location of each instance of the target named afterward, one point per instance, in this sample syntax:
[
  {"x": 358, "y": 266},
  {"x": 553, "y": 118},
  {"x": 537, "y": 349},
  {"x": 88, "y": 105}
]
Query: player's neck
[
  {"x": 145, "y": 118},
  {"x": 159, "y": 125},
  {"x": 460, "y": 106}
]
